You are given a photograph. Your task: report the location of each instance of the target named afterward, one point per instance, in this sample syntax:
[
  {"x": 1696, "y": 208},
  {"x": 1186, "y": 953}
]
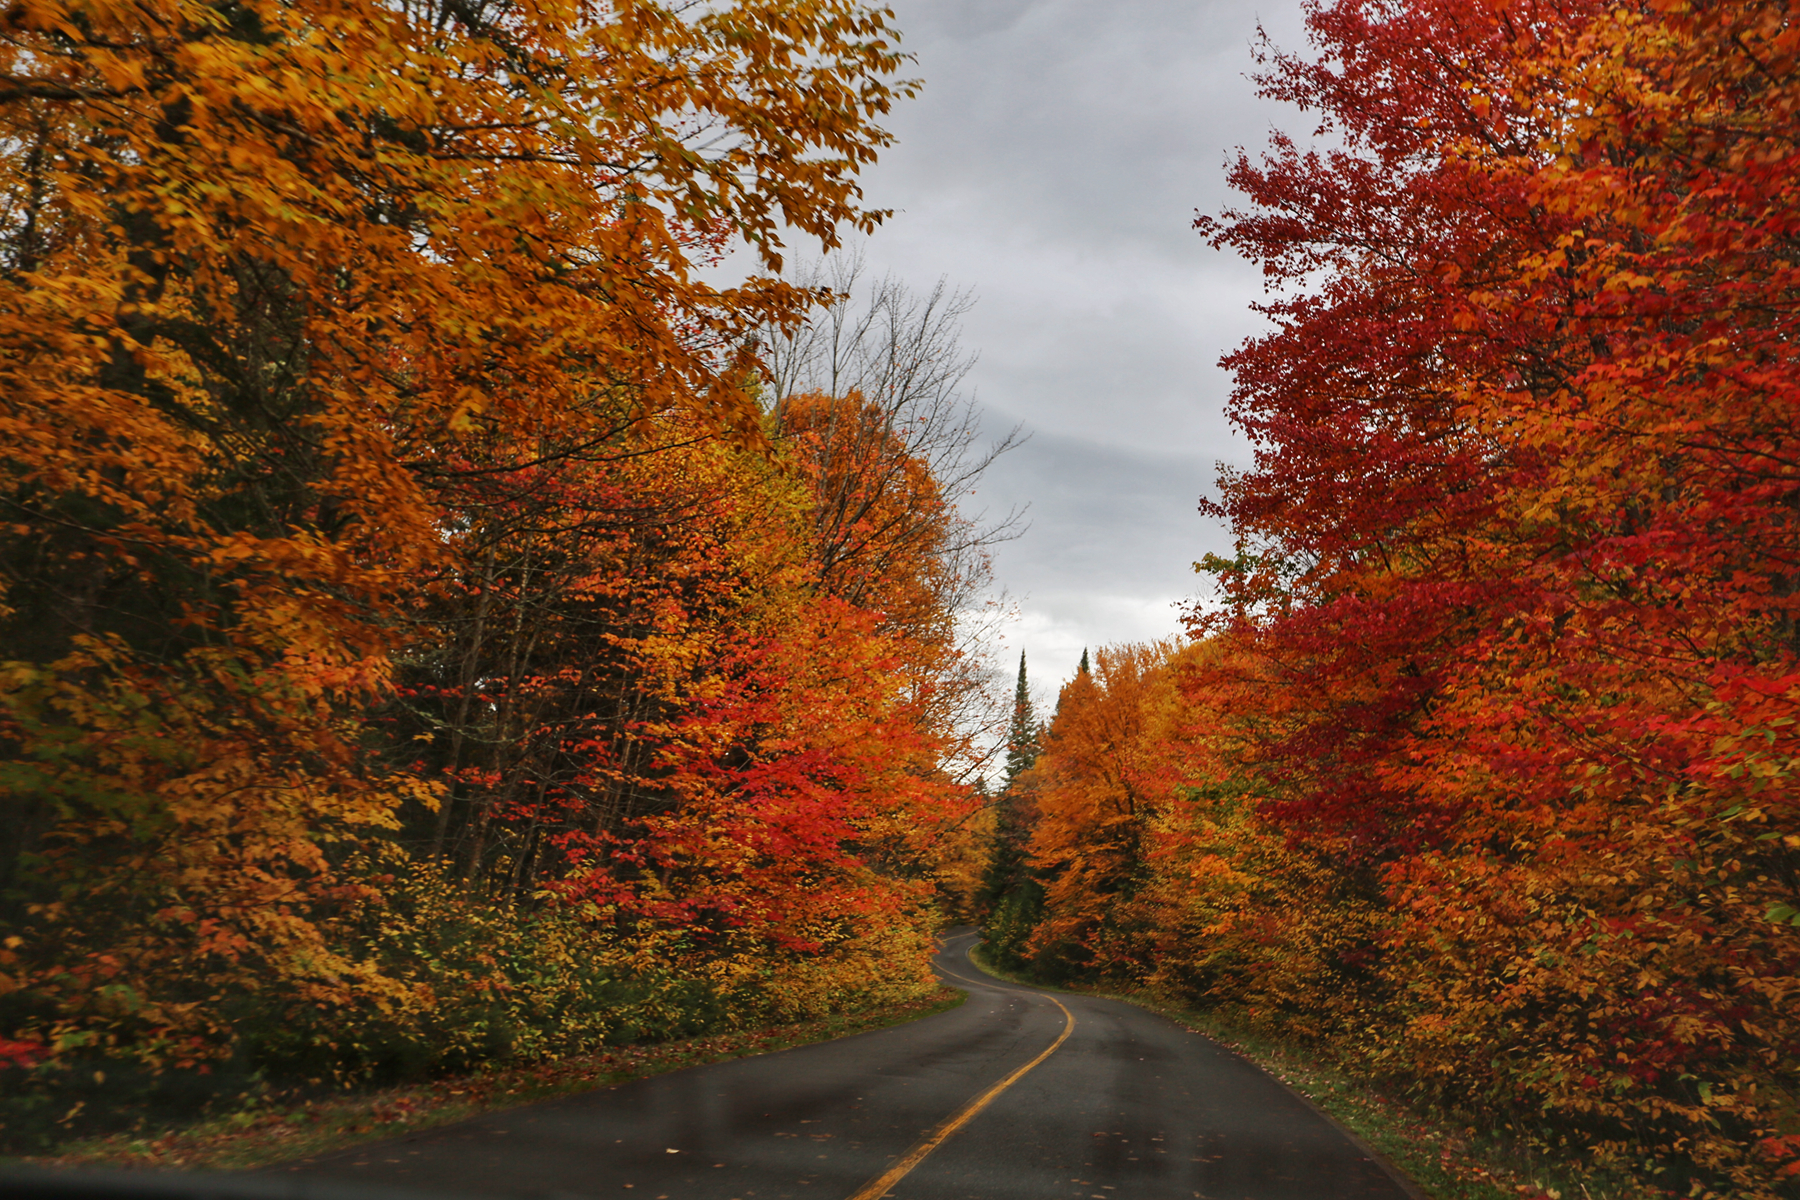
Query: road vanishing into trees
[{"x": 1016, "y": 1095}]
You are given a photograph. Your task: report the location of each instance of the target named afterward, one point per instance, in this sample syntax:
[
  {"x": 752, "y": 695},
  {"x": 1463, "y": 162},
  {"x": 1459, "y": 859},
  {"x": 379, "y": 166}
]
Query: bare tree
[
  {"x": 892, "y": 361},
  {"x": 901, "y": 353}
]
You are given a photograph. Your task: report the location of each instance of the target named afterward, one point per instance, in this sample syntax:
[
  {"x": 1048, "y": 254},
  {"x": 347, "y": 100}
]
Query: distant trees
[{"x": 1010, "y": 894}]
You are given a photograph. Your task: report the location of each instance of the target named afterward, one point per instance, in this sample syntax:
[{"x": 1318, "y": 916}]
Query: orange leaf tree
[{"x": 280, "y": 284}]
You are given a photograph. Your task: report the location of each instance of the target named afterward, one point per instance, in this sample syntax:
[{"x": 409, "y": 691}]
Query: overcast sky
[{"x": 1053, "y": 164}]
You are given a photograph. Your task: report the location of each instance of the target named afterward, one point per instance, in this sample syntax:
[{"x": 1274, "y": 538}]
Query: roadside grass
[
  {"x": 272, "y": 1130},
  {"x": 1446, "y": 1159}
]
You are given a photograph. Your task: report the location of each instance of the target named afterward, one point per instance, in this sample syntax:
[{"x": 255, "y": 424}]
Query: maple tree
[
  {"x": 1525, "y": 644},
  {"x": 418, "y": 632},
  {"x": 1501, "y": 683},
  {"x": 1518, "y": 558}
]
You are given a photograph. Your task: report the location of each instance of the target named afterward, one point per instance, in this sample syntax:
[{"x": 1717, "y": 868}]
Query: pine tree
[
  {"x": 1022, "y": 736},
  {"x": 1010, "y": 893}
]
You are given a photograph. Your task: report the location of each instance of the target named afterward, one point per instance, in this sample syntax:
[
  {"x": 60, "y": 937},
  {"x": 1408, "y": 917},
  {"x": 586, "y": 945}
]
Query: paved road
[{"x": 1127, "y": 1106}]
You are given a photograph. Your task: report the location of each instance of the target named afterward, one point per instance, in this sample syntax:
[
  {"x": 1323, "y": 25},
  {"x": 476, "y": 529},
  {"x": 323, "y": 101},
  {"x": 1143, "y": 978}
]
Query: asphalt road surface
[{"x": 1016, "y": 1095}]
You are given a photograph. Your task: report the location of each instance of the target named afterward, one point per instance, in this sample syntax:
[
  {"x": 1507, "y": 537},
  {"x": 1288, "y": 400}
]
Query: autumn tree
[
  {"x": 593, "y": 608},
  {"x": 1164, "y": 872},
  {"x": 899, "y": 354},
  {"x": 299, "y": 305},
  {"x": 1102, "y": 778},
  {"x": 1513, "y": 555}
]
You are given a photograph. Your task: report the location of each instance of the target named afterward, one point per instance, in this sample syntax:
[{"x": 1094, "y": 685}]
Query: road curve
[{"x": 983, "y": 1102}]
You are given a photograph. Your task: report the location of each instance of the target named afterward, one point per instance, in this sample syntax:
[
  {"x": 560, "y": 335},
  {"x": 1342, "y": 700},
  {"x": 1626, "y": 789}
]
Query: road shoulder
[{"x": 1439, "y": 1158}]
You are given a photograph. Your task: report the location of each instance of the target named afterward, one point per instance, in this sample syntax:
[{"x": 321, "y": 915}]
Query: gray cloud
[
  {"x": 1109, "y": 555},
  {"x": 1053, "y": 163}
]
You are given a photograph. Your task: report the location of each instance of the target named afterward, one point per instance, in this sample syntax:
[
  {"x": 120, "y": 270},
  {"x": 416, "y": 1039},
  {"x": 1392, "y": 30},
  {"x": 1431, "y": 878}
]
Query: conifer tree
[
  {"x": 1022, "y": 735},
  {"x": 1010, "y": 893}
]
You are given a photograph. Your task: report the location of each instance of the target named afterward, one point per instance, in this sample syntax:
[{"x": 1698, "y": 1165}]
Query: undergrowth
[{"x": 268, "y": 1129}]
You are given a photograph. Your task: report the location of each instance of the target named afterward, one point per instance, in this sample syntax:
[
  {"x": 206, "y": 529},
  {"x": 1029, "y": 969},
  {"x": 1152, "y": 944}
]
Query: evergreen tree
[
  {"x": 1083, "y": 668},
  {"x": 1008, "y": 888},
  {"x": 1022, "y": 736}
]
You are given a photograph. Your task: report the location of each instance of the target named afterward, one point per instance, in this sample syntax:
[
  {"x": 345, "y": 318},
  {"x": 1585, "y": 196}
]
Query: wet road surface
[{"x": 1126, "y": 1106}]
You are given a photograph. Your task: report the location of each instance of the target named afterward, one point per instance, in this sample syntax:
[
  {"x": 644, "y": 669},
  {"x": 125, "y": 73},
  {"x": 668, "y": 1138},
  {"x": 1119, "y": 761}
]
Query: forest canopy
[
  {"x": 429, "y": 636},
  {"x": 1479, "y": 772},
  {"x": 439, "y": 627}
]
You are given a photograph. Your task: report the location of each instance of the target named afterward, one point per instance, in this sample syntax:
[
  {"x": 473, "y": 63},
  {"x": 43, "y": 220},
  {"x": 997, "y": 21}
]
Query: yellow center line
[
  {"x": 986, "y": 978},
  {"x": 964, "y": 978},
  {"x": 878, "y": 1187}
]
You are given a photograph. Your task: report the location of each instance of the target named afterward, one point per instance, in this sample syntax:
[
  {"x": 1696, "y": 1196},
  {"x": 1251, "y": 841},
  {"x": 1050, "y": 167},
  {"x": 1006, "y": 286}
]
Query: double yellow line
[{"x": 878, "y": 1187}]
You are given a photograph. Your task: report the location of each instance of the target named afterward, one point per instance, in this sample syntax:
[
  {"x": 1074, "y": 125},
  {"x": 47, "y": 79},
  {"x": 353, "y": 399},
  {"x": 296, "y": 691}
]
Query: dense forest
[
  {"x": 1479, "y": 771},
  {"x": 440, "y": 628}
]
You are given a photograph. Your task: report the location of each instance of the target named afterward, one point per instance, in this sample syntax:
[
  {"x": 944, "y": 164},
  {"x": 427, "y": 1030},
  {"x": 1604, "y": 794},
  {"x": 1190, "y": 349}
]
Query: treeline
[
  {"x": 1481, "y": 771},
  {"x": 437, "y": 626}
]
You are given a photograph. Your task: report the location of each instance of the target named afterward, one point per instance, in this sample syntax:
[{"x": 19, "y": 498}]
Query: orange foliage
[
  {"x": 1107, "y": 768},
  {"x": 395, "y": 545},
  {"x": 1155, "y": 861}
]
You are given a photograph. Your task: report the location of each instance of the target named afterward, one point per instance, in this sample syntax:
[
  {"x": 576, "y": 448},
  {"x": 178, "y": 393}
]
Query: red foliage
[{"x": 1515, "y": 600}]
